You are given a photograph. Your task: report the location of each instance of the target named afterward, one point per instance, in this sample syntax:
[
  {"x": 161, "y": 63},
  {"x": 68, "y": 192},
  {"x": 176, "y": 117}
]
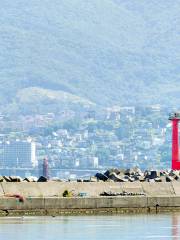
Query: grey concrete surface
[
  {"x": 93, "y": 189},
  {"x": 48, "y": 196}
]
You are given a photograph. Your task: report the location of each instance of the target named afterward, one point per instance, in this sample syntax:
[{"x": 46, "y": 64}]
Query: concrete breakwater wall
[
  {"x": 46, "y": 198},
  {"x": 92, "y": 189}
]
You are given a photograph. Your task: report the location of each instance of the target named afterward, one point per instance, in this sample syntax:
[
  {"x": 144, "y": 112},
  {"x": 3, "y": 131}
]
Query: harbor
[{"x": 113, "y": 191}]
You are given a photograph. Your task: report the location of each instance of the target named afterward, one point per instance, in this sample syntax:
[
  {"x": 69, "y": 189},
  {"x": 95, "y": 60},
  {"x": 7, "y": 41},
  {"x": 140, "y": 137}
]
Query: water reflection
[
  {"x": 126, "y": 227},
  {"x": 175, "y": 227}
]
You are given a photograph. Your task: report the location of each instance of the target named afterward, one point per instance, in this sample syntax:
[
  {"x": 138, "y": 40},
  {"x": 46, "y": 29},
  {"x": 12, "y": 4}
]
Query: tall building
[{"x": 19, "y": 154}]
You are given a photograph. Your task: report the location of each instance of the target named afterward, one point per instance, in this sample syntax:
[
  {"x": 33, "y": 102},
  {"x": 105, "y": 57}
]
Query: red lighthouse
[{"x": 175, "y": 118}]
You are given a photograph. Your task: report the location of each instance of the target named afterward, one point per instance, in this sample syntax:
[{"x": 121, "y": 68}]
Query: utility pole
[{"x": 45, "y": 168}]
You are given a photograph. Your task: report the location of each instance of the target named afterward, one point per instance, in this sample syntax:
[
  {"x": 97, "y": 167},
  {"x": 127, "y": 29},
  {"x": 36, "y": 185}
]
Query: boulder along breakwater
[{"x": 154, "y": 191}]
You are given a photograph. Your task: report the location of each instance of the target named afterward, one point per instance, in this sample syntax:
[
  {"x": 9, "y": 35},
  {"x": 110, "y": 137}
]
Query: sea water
[{"x": 106, "y": 227}]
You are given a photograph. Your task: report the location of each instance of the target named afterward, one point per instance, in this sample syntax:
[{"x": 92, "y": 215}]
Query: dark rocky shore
[
  {"x": 111, "y": 175},
  {"x": 135, "y": 174}
]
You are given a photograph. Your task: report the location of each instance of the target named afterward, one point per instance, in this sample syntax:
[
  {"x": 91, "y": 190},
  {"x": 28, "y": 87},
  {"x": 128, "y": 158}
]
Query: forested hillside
[{"x": 104, "y": 52}]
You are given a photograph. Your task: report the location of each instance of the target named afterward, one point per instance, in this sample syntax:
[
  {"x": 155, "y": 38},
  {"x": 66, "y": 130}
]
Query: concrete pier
[{"x": 46, "y": 198}]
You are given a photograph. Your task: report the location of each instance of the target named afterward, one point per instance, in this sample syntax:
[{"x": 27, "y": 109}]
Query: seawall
[{"x": 46, "y": 198}]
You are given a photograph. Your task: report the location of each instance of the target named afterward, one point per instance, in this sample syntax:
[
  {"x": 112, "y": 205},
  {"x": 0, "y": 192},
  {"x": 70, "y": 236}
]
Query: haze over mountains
[{"x": 105, "y": 52}]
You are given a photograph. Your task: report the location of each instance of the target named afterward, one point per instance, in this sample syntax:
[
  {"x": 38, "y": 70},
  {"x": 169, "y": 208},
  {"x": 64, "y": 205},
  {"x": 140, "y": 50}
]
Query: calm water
[{"x": 162, "y": 226}]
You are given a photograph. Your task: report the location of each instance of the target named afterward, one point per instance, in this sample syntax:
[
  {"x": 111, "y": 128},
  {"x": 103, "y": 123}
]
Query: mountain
[{"x": 104, "y": 51}]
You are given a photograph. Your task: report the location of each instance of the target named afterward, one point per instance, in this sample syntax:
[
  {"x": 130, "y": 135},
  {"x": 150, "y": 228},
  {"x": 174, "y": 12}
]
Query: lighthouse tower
[{"x": 175, "y": 118}]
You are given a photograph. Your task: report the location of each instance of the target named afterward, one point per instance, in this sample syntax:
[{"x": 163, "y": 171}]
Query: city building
[{"x": 19, "y": 154}]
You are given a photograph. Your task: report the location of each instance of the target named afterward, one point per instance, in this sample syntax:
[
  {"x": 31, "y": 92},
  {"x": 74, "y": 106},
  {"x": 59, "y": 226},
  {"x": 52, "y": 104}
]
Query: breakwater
[{"x": 46, "y": 198}]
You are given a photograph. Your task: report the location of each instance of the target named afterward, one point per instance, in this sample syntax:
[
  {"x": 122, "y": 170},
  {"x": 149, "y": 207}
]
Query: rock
[
  {"x": 154, "y": 174},
  {"x": 137, "y": 171},
  {"x": 176, "y": 177},
  {"x": 25, "y": 180},
  {"x": 177, "y": 172},
  {"x": 135, "y": 174},
  {"x": 93, "y": 179},
  {"x": 173, "y": 173},
  {"x": 86, "y": 180},
  {"x": 129, "y": 172},
  {"x": 7, "y": 179},
  {"x": 30, "y": 179},
  {"x": 163, "y": 178},
  {"x": 142, "y": 179},
  {"x": 136, "y": 177},
  {"x": 166, "y": 173},
  {"x": 101, "y": 176},
  {"x": 169, "y": 179},
  {"x": 130, "y": 179},
  {"x": 1, "y": 179},
  {"x": 56, "y": 179},
  {"x": 108, "y": 172},
  {"x": 158, "y": 179},
  {"x": 146, "y": 174},
  {"x": 15, "y": 179},
  {"x": 42, "y": 179},
  {"x": 79, "y": 180},
  {"x": 117, "y": 178},
  {"x": 162, "y": 173}
]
